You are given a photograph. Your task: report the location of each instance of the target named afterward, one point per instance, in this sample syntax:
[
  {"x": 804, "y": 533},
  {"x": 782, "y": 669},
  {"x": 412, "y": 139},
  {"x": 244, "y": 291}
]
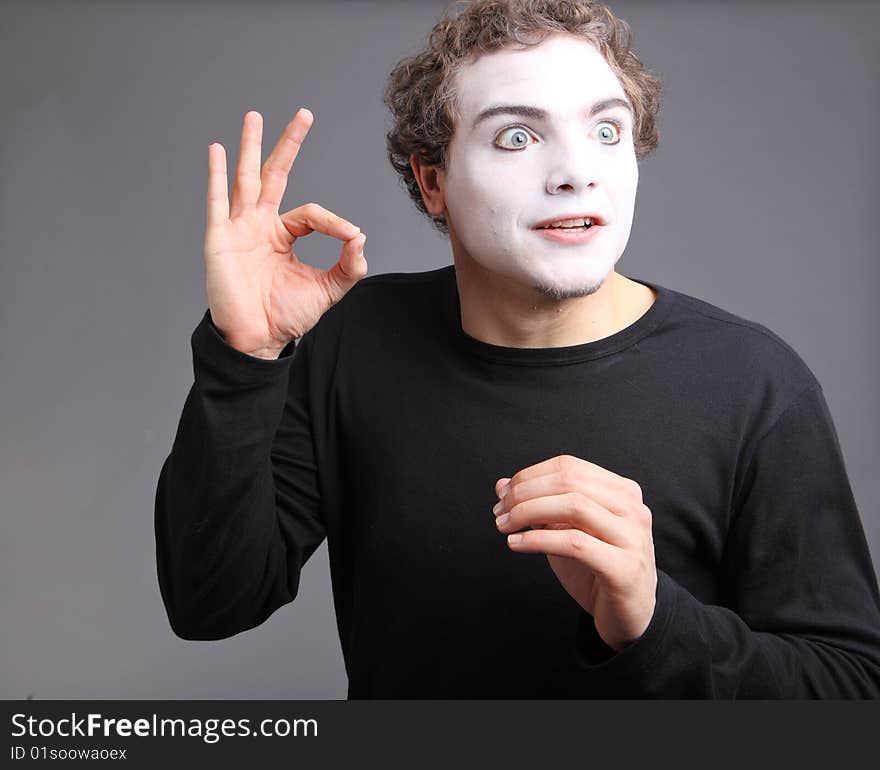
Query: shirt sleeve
[
  {"x": 237, "y": 512},
  {"x": 801, "y": 614}
]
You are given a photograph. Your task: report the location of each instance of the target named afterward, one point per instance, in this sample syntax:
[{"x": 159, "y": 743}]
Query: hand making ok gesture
[{"x": 260, "y": 295}]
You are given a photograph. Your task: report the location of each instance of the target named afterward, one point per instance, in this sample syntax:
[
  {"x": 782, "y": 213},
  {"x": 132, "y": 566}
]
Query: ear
[{"x": 431, "y": 181}]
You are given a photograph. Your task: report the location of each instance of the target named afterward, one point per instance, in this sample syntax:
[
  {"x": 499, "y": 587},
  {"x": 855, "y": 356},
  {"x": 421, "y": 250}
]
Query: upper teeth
[{"x": 582, "y": 222}]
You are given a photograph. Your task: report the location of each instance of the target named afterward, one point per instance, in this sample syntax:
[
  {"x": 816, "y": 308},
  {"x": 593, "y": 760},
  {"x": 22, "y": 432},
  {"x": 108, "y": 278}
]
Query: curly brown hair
[{"x": 420, "y": 90}]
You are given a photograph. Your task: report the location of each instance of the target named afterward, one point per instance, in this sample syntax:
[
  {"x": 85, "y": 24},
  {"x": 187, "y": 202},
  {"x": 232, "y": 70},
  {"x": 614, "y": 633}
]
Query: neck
[{"x": 499, "y": 311}]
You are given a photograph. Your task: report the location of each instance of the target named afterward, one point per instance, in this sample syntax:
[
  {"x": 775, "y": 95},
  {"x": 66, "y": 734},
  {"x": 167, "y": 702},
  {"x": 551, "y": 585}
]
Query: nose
[{"x": 572, "y": 167}]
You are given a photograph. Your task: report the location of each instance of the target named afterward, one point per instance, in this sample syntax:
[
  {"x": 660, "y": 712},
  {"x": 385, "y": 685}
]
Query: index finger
[
  {"x": 218, "y": 199},
  {"x": 277, "y": 167},
  {"x": 311, "y": 217}
]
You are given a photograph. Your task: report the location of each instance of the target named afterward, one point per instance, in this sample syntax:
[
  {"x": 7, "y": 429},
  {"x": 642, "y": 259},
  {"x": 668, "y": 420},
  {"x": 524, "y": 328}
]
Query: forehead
[{"x": 561, "y": 73}]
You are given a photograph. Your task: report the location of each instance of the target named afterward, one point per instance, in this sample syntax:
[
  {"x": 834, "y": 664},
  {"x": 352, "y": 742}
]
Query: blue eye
[
  {"x": 519, "y": 137},
  {"x": 609, "y": 133},
  {"x": 605, "y": 133}
]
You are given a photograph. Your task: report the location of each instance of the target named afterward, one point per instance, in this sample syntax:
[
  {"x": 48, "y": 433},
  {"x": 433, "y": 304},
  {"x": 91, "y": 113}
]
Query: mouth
[
  {"x": 572, "y": 223},
  {"x": 576, "y": 229},
  {"x": 569, "y": 234}
]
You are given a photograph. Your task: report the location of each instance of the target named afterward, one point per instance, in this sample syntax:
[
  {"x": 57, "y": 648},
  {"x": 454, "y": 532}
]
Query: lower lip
[{"x": 564, "y": 236}]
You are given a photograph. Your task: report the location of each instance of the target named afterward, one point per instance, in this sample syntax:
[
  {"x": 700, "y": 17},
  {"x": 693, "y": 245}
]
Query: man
[{"x": 670, "y": 513}]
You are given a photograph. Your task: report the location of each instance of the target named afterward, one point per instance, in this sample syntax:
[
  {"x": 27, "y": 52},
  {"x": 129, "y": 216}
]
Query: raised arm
[{"x": 237, "y": 509}]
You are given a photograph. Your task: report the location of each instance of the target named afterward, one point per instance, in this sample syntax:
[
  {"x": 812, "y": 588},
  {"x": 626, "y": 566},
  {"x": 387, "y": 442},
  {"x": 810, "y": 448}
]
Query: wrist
[{"x": 267, "y": 354}]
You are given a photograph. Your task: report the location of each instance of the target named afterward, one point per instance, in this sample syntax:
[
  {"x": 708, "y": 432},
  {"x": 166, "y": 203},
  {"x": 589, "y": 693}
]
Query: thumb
[{"x": 349, "y": 269}]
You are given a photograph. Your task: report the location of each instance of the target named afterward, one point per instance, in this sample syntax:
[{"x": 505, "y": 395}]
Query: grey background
[{"x": 762, "y": 199}]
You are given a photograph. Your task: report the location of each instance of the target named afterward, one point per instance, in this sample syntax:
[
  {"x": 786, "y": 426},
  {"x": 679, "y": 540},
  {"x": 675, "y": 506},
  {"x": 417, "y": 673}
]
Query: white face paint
[{"x": 509, "y": 172}]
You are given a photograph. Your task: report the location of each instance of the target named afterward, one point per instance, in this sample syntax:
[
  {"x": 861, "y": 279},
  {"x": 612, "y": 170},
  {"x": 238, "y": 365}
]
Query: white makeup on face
[{"x": 509, "y": 172}]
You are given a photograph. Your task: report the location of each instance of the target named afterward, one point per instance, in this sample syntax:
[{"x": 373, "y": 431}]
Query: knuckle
[
  {"x": 568, "y": 476},
  {"x": 514, "y": 508},
  {"x": 577, "y": 539},
  {"x": 311, "y": 210},
  {"x": 560, "y": 464},
  {"x": 633, "y": 489},
  {"x": 271, "y": 170},
  {"x": 576, "y": 503}
]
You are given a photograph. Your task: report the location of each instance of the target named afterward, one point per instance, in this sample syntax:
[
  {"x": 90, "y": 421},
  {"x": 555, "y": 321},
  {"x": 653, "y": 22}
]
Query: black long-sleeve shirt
[{"x": 384, "y": 430}]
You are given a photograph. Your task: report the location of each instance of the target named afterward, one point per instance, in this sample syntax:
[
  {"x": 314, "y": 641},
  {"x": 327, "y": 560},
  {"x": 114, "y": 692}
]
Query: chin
[
  {"x": 559, "y": 291},
  {"x": 582, "y": 284}
]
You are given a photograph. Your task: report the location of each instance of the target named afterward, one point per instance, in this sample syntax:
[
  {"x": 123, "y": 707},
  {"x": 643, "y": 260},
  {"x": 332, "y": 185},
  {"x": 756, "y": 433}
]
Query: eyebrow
[{"x": 536, "y": 113}]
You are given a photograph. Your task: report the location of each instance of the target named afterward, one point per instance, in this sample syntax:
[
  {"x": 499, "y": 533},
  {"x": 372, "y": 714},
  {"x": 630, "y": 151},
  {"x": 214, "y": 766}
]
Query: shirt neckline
[{"x": 567, "y": 354}]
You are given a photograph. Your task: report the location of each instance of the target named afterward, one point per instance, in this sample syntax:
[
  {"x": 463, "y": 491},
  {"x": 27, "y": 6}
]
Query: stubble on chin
[
  {"x": 560, "y": 292},
  {"x": 561, "y": 288}
]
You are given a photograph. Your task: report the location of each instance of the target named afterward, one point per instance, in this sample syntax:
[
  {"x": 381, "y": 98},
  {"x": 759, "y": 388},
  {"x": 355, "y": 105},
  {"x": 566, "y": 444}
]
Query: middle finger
[
  {"x": 246, "y": 188},
  {"x": 277, "y": 167},
  {"x": 571, "y": 510}
]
